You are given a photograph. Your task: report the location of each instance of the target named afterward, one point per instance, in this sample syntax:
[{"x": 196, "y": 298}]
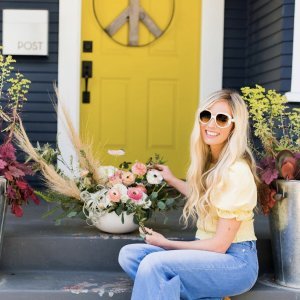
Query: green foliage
[
  {"x": 156, "y": 160},
  {"x": 66, "y": 207},
  {"x": 125, "y": 165},
  {"x": 274, "y": 124},
  {"x": 16, "y": 86}
]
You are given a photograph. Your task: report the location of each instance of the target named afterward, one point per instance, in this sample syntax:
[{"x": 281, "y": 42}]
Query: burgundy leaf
[
  {"x": 288, "y": 168},
  {"x": 7, "y": 151},
  {"x": 15, "y": 172},
  {"x": 22, "y": 184},
  {"x": 8, "y": 176},
  {"x": 11, "y": 193},
  {"x": 35, "y": 199},
  {"x": 269, "y": 174},
  {"x": 268, "y": 162},
  {"x": 272, "y": 200},
  {"x": 3, "y": 164},
  {"x": 17, "y": 210},
  {"x": 25, "y": 168}
]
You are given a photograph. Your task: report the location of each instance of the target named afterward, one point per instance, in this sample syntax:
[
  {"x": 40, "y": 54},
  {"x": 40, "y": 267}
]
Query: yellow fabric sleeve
[{"x": 237, "y": 197}]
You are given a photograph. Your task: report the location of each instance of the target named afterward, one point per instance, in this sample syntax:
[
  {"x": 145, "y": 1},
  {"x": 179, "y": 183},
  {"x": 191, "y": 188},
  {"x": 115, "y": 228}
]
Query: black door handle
[{"x": 86, "y": 73}]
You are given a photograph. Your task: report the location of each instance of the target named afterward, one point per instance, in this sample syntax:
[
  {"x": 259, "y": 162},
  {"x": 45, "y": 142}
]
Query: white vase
[{"x": 112, "y": 223}]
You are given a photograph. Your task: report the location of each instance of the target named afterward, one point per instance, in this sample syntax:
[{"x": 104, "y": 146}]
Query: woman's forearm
[
  {"x": 180, "y": 186},
  {"x": 212, "y": 244}
]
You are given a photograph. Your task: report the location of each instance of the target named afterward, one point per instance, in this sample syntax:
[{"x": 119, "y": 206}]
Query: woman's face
[{"x": 213, "y": 135}]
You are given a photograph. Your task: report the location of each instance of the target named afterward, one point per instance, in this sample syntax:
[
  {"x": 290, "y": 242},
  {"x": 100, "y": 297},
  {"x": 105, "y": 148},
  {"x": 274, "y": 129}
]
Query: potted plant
[
  {"x": 277, "y": 128},
  {"x": 14, "y": 187}
]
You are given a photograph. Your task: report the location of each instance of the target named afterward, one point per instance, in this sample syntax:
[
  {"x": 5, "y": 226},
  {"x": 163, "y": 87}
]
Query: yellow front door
[{"x": 143, "y": 99}]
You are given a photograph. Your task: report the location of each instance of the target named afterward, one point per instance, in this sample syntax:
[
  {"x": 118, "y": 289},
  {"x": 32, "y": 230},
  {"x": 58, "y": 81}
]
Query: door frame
[{"x": 69, "y": 58}]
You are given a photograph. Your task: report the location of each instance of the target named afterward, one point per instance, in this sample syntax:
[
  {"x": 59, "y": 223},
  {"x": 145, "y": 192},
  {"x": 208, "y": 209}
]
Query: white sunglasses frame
[{"x": 214, "y": 117}]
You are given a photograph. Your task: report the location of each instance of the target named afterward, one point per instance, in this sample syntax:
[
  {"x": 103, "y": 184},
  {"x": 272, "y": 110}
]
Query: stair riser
[
  {"x": 83, "y": 253},
  {"x": 61, "y": 254}
]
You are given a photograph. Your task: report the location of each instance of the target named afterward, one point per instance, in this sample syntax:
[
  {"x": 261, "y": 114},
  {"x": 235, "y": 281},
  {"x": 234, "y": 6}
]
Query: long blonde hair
[{"x": 200, "y": 177}]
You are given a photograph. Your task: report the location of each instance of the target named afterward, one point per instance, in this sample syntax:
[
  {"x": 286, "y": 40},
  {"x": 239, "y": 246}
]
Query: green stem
[{"x": 162, "y": 187}]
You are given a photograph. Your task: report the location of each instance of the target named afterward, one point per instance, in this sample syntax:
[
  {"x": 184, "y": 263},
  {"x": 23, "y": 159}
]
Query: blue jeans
[{"x": 161, "y": 274}]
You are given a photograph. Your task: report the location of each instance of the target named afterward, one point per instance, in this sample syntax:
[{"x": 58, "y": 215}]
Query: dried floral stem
[
  {"x": 53, "y": 180},
  {"x": 83, "y": 151}
]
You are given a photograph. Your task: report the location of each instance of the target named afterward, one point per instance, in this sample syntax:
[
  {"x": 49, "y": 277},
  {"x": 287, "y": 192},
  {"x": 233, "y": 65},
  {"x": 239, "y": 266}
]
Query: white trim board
[
  {"x": 294, "y": 94},
  {"x": 212, "y": 44},
  {"x": 211, "y": 60},
  {"x": 69, "y": 71}
]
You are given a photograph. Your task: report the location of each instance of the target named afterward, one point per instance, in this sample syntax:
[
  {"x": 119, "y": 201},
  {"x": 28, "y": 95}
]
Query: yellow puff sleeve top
[{"x": 235, "y": 198}]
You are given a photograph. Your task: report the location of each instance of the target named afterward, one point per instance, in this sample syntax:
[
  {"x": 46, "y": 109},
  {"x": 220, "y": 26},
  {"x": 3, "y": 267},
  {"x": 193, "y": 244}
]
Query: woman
[{"x": 221, "y": 191}]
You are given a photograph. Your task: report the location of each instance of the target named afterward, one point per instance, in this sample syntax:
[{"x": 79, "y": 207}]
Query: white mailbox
[{"x": 25, "y": 32}]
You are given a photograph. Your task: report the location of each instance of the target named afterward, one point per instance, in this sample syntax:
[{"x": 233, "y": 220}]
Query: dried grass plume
[{"x": 53, "y": 180}]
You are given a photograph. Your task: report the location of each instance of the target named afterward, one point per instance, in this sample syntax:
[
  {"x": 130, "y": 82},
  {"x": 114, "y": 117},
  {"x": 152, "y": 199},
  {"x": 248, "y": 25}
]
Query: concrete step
[
  {"x": 33, "y": 243},
  {"x": 55, "y": 285},
  {"x": 266, "y": 289},
  {"x": 50, "y": 285},
  {"x": 75, "y": 261}
]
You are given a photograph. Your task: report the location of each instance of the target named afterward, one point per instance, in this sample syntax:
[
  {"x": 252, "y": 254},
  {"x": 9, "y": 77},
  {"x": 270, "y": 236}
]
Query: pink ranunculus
[
  {"x": 114, "y": 195},
  {"x": 118, "y": 173},
  {"x": 139, "y": 169},
  {"x": 128, "y": 178},
  {"x": 135, "y": 194},
  {"x": 112, "y": 180},
  {"x": 142, "y": 188}
]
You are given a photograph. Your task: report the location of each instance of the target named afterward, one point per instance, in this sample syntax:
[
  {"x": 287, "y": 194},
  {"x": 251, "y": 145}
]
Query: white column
[
  {"x": 294, "y": 94},
  {"x": 212, "y": 44},
  {"x": 69, "y": 71}
]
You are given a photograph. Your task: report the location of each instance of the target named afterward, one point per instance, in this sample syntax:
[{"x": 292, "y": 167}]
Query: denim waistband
[{"x": 249, "y": 244}]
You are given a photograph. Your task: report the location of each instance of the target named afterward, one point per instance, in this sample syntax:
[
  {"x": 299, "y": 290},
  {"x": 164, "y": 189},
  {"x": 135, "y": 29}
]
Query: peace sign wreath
[{"x": 133, "y": 14}]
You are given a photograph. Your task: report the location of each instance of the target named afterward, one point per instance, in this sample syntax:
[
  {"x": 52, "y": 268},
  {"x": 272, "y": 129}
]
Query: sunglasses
[{"x": 222, "y": 120}]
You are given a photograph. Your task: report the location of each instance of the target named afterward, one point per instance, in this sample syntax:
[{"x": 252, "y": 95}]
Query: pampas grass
[
  {"x": 83, "y": 151},
  {"x": 53, "y": 180}
]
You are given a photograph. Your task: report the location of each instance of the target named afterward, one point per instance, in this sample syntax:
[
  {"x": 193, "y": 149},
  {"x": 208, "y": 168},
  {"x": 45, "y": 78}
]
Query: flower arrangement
[
  {"x": 92, "y": 189},
  {"x": 138, "y": 189},
  {"x": 278, "y": 129},
  {"x": 13, "y": 90}
]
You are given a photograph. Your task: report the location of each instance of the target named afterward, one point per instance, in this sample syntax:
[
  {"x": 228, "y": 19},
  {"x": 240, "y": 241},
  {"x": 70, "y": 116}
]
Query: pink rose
[
  {"x": 128, "y": 178},
  {"x": 135, "y": 194},
  {"x": 142, "y": 188},
  {"x": 114, "y": 195},
  {"x": 139, "y": 169}
]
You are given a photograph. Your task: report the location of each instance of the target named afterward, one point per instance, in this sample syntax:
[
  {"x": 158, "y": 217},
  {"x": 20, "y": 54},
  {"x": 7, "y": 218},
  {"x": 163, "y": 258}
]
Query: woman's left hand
[{"x": 154, "y": 238}]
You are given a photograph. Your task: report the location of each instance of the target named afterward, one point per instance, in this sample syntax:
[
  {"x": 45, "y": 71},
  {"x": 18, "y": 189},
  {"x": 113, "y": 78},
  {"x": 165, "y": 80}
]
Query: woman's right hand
[
  {"x": 168, "y": 176},
  {"x": 166, "y": 173}
]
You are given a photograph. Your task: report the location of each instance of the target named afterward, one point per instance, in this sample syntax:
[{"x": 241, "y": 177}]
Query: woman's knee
[
  {"x": 125, "y": 254},
  {"x": 130, "y": 253},
  {"x": 151, "y": 264}
]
